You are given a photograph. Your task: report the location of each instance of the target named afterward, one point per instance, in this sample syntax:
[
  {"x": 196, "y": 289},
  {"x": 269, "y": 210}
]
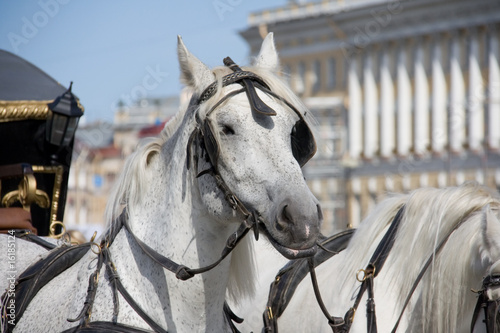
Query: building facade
[
  {"x": 406, "y": 94},
  {"x": 100, "y": 152}
]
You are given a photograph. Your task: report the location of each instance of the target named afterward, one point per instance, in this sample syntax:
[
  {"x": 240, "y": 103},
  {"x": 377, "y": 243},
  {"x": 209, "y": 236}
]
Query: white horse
[
  {"x": 442, "y": 300},
  {"x": 219, "y": 169}
]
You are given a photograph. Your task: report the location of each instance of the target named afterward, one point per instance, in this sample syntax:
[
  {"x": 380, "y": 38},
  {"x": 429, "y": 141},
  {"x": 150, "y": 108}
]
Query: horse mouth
[{"x": 286, "y": 251}]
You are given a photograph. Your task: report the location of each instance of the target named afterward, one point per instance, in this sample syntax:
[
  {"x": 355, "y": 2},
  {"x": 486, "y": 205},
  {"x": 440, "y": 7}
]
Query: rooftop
[{"x": 299, "y": 10}]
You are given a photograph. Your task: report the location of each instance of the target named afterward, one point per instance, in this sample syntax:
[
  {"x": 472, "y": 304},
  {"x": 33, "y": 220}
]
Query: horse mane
[
  {"x": 127, "y": 190},
  {"x": 430, "y": 215}
]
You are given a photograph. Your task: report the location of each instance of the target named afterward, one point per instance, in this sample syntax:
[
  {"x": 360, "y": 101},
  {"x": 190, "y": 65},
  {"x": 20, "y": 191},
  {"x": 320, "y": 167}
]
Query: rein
[{"x": 182, "y": 272}]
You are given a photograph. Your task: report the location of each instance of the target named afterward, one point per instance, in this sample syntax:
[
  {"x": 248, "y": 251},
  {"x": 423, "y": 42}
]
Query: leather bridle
[{"x": 303, "y": 143}]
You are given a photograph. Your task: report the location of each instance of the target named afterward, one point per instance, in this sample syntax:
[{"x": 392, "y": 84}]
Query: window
[
  {"x": 299, "y": 78},
  {"x": 316, "y": 77},
  {"x": 332, "y": 73}
]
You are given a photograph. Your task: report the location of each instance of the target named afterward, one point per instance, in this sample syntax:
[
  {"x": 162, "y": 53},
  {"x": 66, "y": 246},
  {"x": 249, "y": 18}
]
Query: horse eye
[
  {"x": 227, "y": 130},
  {"x": 294, "y": 131}
]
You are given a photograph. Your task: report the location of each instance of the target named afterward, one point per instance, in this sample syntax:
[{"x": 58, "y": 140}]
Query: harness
[
  {"x": 59, "y": 259},
  {"x": 288, "y": 278},
  {"x": 284, "y": 286},
  {"x": 491, "y": 307}
]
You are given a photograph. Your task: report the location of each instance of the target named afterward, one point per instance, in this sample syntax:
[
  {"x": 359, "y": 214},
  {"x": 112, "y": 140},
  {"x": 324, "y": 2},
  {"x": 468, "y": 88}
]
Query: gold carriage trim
[
  {"x": 27, "y": 194},
  {"x": 23, "y": 110},
  {"x": 58, "y": 174}
]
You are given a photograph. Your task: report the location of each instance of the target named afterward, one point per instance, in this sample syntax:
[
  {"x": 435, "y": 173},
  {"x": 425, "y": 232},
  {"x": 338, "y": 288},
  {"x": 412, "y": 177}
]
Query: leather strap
[
  {"x": 231, "y": 318},
  {"x": 490, "y": 307},
  {"x": 227, "y": 80},
  {"x": 376, "y": 263},
  {"x": 424, "y": 268},
  {"x": 130, "y": 300},
  {"x": 288, "y": 278},
  {"x": 31, "y": 237},
  {"x": 105, "y": 327},
  {"x": 183, "y": 272},
  {"x": 86, "y": 311},
  {"x": 38, "y": 275}
]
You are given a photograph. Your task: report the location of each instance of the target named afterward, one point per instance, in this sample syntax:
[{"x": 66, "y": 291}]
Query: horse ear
[
  {"x": 268, "y": 57},
  {"x": 194, "y": 73}
]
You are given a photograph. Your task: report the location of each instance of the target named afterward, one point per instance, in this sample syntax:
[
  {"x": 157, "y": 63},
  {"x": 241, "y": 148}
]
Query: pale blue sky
[{"x": 115, "y": 49}]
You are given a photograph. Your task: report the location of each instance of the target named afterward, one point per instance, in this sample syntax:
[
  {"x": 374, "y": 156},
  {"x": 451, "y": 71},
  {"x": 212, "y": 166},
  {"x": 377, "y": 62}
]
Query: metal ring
[
  {"x": 93, "y": 236},
  {"x": 92, "y": 244},
  {"x": 364, "y": 275},
  {"x": 52, "y": 229}
]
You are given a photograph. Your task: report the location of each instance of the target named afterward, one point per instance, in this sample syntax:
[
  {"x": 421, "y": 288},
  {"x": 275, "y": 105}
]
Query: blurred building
[
  {"x": 100, "y": 152},
  {"x": 130, "y": 120},
  {"x": 406, "y": 94}
]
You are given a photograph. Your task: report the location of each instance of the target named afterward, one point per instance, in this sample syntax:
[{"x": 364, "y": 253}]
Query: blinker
[{"x": 303, "y": 143}]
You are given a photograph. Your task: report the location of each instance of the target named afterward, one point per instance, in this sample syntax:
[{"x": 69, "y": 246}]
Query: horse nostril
[
  {"x": 287, "y": 215},
  {"x": 320, "y": 212},
  {"x": 284, "y": 220}
]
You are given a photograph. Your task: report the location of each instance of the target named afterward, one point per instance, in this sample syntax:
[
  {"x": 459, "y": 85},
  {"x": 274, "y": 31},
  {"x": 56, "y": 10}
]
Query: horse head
[{"x": 253, "y": 135}]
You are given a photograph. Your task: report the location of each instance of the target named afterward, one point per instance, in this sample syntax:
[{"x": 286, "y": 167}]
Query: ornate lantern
[{"x": 62, "y": 120}]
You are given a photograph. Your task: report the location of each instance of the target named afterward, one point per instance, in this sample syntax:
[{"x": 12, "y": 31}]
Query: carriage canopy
[{"x": 33, "y": 169}]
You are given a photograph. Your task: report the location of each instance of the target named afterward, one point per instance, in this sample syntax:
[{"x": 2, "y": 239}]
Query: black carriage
[{"x": 38, "y": 118}]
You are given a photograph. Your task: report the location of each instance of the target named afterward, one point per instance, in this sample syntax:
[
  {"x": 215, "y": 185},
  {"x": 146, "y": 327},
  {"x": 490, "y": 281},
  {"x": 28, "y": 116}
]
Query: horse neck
[{"x": 172, "y": 220}]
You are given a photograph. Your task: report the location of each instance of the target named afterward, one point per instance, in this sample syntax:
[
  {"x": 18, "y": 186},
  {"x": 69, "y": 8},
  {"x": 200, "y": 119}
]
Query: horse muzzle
[{"x": 295, "y": 229}]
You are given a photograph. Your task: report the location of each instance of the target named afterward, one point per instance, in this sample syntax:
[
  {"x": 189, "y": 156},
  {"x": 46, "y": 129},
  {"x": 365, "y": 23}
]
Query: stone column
[
  {"x": 370, "y": 107},
  {"x": 439, "y": 114},
  {"x": 475, "y": 96},
  {"x": 403, "y": 128},
  {"x": 355, "y": 125},
  {"x": 421, "y": 102},
  {"x": 387, "y": 126},
  {"x": 493, "y": 89},
  {"x": 457, "y": 98}
]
